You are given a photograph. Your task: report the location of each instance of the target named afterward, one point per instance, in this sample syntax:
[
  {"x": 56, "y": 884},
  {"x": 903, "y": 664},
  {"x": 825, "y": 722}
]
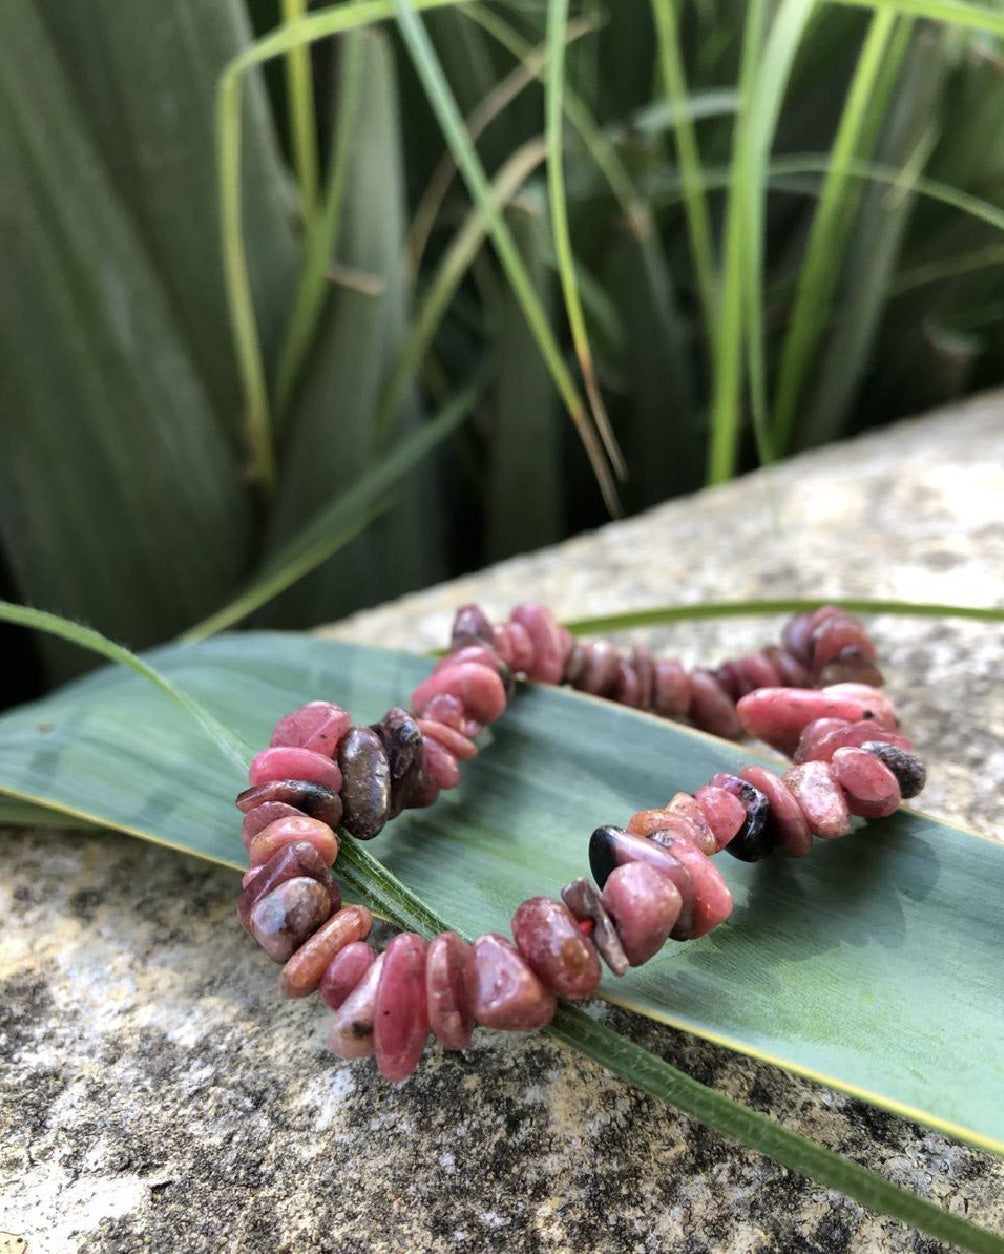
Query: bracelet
[{"x": 652, "y": 881}]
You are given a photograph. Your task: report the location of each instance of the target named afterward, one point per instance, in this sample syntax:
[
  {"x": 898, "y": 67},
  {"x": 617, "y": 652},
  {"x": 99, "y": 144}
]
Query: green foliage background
[{"x": 732, "y": 230}]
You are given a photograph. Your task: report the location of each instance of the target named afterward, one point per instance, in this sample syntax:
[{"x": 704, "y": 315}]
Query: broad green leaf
[
  {"x": 121, "y": 501},
  {"x": 871, "y": 966},
  {"x": 144, "y": 77}
]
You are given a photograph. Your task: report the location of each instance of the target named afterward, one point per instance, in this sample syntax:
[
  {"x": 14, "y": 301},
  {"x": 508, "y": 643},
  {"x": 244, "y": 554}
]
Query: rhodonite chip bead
[
  {"x": 548, "y": 937},
  {"x": 644, "y": 907},
  {"x": 283, "y": 919},
  {"x": 366, "y": 782},
  {"x": 502, "y": 991}
]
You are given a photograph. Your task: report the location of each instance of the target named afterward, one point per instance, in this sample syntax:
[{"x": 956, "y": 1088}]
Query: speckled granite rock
[{"x": 156, "y": 1094}]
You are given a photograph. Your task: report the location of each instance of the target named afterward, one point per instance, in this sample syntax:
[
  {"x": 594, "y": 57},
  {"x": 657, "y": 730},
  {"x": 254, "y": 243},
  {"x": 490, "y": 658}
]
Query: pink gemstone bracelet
[{"x": 815, "y": 698}]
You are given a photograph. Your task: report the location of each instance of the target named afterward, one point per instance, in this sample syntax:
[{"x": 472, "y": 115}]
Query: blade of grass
[
  {"x": 831, "y": 225},
  {"x": 368, "y": 878},
  {"x": 966, "y": 16},
  {"x": 303, "y": 126},
  {"x": 247, "y": 344},
  {"x": 530, "y": 68},
  {"x": 557, "y": 21},
  {"x": 87, "y": 638},
  {"x": 789, "y": 25},
  {"x": 444, "y": 106},
  {"x": 661, "y": 615},
  {"x": 727, "y": 388},
  {"x": 323, "y": 231},
  {"x": 342, "y": 519},
  {"x": 688, "y": 159},
  {"x": 454, "y": 265}
]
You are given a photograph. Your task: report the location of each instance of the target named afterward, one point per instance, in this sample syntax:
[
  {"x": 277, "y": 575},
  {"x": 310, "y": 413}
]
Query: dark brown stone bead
[
  {"x": 583, "y": 899},
  {"x": 643, "y": 665},
  {"x": 314, "y": 800},
  {"x": 365, "y": 783},
  {"x": 401, "y": 738},
  {"x": 546, "y": 934},
  {"x": 471, "y": 626},
  {"x": 291, "y": 862},
  {"x": 910, "y": 771},
  {"x": 283, "y": 919}
]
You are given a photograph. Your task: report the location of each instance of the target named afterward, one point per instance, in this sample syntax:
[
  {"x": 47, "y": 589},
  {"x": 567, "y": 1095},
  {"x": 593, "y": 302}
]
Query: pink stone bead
[
  {"x": 470, "y": 626},
  {"x": 258, "y": 819},
  {"x": 345, "y": 972},
  {"x": 303, "y": 972},
  {"x": 439, "y": 764},
  {"x": 400, "y": 1019},
  {"x": 871, "y": 789},
  {"x": 288, "y": 831},
  {"x": 644, "y": 906},
  {"x": 645, "y": 822},
  {"x": 837, "y": 633},
  {"x": 446, "y": 709},
  {"x": 792, "y": 837},
  {"x": 821, "y": 739},
  {"x": 479, "y": 689},
  {"x": 424, "y": 792},
  {"x": 502, "y": 644},
  {"x": 445, "y": 992},
  {"x": 601, "y": 669},
  {"x": 820, "y": 799},
  {"x": 291, "y": 862},
  {"x": 815, "y": 732},
  {"x": 351, "y": 1034},
  {"x": 283, "y": 919},
  {"x": 518, "y": 645},
  {"x": 778, "y": 716},
  {"x": 453, "y": 741},
  {"x": 671, "y": 696},
  {"x": 712, "y": 899},
  {"x": 548, "y": 937},
  {"x": 284, "y": 763},
  {"x": 757, "y": 671},
  {"x": 476, "y": 654},
  {"x": 711, "y": 707},
  {"x": 318, "y": 726},
  {"x": 791, "y": 672},
  {"x": 502, "y": 992},
  {"x": 724, "y": 813},
  {"x": 876, "y": 704},
  {"x": 688, "y": 808},
  {"x": 548, "y": 643}
]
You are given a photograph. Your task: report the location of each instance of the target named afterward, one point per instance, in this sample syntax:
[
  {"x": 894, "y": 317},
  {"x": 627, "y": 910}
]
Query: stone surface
[{"x": 157, "y": 1093}]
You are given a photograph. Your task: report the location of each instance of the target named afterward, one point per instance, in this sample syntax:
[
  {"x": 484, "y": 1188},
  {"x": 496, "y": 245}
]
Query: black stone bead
[
  {"x": 611, "y": 847},
  {"x": 304, "y": 795},
  {"x": 755, "y": 839},
  {"x": 910, "y": 771}
]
